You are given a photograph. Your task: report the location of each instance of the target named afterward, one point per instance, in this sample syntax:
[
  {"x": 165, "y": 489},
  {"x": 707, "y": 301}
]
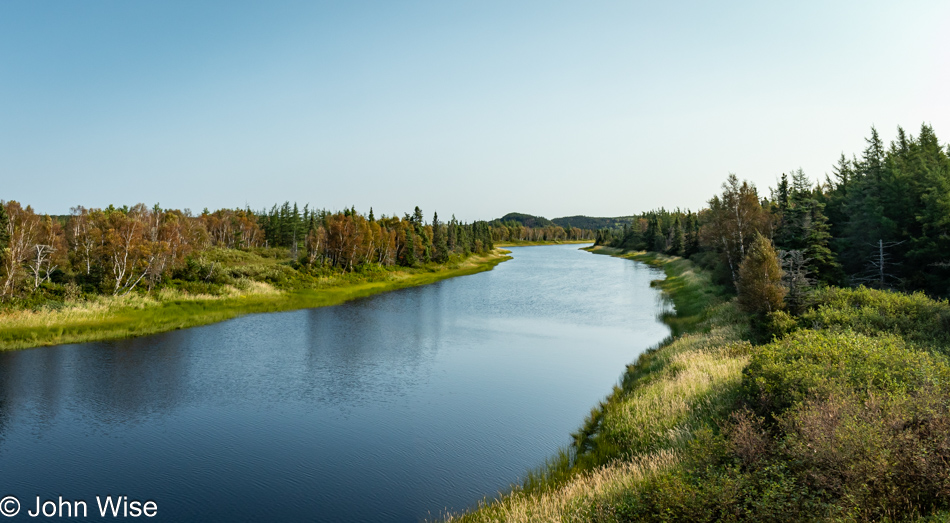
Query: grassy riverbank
[
  {"x": 260, "y": 285},
  {"x": 526, "y": 243},
  {"x": 843, "y": 417}
]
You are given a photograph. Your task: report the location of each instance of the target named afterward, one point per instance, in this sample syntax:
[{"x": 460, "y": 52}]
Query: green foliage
[
  {"x": 760, "y": 277},
  {"x": 805, "y": 363},
  {"x": 916, "y": 318},
  {"x": 4, "y": 233}
]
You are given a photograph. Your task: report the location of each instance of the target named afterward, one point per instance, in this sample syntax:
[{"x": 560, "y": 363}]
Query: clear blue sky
[{"x": 473, "y": 108}]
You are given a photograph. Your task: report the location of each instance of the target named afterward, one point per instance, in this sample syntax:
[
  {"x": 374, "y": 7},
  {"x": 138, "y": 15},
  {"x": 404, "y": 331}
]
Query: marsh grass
[
  {"x": 107, "y": 318},
  {"x": 842, "y": 417},
  {"x": 674, "y": 391}
]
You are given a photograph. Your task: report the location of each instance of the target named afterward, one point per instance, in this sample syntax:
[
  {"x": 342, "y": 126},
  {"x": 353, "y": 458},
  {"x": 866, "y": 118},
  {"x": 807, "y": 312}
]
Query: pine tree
[
  {"x": 439, "y": 242},
  {"x": 410, "y": 251},
  {"x": 452, "y": 240},
  {"x": 692, "y": 234},
  {"x": 678, "y": 246},
  {"x": 417, "y": 218}
]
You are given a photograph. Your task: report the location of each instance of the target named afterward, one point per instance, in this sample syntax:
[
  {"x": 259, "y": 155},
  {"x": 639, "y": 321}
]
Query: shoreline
[
  {"x": 530, "y": 243},
  {"x": 137, "y": 319}
]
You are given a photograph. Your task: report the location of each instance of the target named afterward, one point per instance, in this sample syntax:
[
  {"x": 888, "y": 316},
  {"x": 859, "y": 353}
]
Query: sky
[{"x": 469, "y": 108}]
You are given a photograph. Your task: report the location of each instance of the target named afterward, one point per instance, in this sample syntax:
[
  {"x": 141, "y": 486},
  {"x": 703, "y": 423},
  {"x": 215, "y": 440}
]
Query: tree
[
  {"x": 440, "y": 245},
  {"x": 678, "y": 245},
  {"x": 4, "y": 233},
  {"x": 760, "y": 279},
  {"x": 22, "y": 230},
  {"x": 734, "y": 219}
]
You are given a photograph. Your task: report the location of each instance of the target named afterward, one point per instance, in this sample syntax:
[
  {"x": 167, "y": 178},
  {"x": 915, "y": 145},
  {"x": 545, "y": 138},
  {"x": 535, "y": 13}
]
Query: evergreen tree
[
  {"x": 678, "y": 245},
  {"x": 440, "y": 246},
  {"x": 410, "y": 250},
  {"x": 692, "y": 234},
  {"x": 452, "y": 239},
  {"x": 417, "y": 219}
]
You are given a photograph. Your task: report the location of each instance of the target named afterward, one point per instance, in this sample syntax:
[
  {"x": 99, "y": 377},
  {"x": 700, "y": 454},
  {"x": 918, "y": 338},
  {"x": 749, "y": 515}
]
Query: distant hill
[
  {"x": 590, "y": 222},
  {"x": 526, "y": 219},
  {"x": 581, "y": 222}
]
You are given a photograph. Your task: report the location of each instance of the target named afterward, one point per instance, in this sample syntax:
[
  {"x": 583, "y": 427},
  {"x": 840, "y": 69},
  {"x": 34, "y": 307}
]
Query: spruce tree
[
  {"x": 439, "y": 241},
  {"x": 410, "y": 251},
  {"x": 678, "y": 246}
]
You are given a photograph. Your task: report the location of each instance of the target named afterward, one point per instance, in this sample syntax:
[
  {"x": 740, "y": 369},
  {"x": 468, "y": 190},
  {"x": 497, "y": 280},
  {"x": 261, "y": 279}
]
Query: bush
[
  {"x": 809, "y": 363},
  {"x": 915, "y": 317}
]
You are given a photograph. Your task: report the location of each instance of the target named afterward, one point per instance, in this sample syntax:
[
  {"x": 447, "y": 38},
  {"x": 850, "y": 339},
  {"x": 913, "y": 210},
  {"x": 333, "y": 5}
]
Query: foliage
[{"x": 759, "y": 283}]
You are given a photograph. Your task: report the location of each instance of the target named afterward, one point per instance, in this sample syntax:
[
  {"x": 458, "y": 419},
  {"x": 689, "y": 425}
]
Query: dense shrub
[
  {"x": 809, "y": 363},
  {"x": 914, "y": 317}
]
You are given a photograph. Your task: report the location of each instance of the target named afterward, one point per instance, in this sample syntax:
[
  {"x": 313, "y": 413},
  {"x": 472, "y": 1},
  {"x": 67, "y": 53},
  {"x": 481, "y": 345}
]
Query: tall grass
[
  {"x": 106, "y": 318},
  {"x": 643, "y": 428},
  {"x": 844, "y": 417}
]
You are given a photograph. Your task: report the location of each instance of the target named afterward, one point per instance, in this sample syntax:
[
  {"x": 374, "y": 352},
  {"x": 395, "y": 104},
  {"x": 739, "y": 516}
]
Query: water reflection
[{"x": 383, "y": 409}]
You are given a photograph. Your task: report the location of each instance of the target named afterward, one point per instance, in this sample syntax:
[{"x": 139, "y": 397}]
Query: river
[{"x": 389, "y": 408}]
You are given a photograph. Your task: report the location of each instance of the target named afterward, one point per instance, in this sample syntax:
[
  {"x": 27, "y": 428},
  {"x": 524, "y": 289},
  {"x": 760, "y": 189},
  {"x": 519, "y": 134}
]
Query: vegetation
[
  {"x": 118, "y": 272},
  {"x": 881, "y": 220},
  {"x": 239, "y": 288},
  {"x": 779, "y": 397},
  {"x": 593, "y": 223},
  {"x": 516, "y": 227},
  {"x": 587, "y": 224}
]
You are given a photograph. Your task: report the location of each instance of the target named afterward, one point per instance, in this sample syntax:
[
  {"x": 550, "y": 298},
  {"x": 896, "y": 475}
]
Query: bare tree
[
  {"x": 796, "y": 278},
  {"x": 23, "y": 228}
]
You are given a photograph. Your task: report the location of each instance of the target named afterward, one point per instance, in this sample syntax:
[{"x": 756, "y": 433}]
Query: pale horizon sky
[{"x": 472, "y": 108}]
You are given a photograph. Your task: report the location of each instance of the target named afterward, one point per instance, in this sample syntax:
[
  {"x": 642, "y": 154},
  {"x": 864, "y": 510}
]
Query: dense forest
[
  {"x": 881, "y": 219},
  {"x": 117, "y": 250}
]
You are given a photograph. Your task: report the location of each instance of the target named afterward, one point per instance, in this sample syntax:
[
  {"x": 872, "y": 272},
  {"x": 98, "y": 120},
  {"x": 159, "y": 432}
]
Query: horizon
[{"x": 474, "y": 110}]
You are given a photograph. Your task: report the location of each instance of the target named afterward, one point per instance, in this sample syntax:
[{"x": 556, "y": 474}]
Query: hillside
[{"x": 527, "y": 220}]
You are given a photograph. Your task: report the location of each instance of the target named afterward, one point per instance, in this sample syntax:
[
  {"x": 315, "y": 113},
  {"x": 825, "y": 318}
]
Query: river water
[{"x": 395, "y": 407}]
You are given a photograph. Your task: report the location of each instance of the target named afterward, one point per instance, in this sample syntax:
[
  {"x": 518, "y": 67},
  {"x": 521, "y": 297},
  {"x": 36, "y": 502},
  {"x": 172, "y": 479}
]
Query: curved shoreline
[{"x": 129, "y": 322}]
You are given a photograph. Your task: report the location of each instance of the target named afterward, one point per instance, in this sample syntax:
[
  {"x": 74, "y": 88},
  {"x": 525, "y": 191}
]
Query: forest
[
  {"x": 881, "y": 220},
  {"x": 115, "y": 250}
]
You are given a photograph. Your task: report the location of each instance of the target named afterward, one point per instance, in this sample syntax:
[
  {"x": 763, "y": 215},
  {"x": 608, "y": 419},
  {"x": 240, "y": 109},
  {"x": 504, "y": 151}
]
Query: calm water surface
[{"x": 390, "y": 408}]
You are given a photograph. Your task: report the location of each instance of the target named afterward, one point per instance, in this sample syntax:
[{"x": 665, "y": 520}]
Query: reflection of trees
[
  {"x": 117, "y": 381},
  {"x": 373, "y": 348}
]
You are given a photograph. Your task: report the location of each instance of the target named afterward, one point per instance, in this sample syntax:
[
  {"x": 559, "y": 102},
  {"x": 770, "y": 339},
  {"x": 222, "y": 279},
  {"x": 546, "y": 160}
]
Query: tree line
[
  {"x": 116, "y": 250},
  {"x": 881, "y": 219}
]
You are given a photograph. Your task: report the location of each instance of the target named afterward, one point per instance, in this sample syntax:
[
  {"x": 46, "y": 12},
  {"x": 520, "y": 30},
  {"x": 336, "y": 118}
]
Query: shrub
[
  {"x": 915, "y": 317},
  {"x": 807, "y": 362}
]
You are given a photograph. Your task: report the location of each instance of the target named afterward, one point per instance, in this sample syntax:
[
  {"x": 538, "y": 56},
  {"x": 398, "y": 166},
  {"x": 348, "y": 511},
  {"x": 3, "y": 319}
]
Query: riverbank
[
  {"x": 110, "y": 318},
  {"x": 526, "y": 243},
  {"x": 843, "y": 416}
]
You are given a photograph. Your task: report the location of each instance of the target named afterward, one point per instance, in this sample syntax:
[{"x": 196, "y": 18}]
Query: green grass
[
  {"x": 116, "y": 318},
  {"x": 646, "y": 426},
  {"x": 844, "y": 418}
]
